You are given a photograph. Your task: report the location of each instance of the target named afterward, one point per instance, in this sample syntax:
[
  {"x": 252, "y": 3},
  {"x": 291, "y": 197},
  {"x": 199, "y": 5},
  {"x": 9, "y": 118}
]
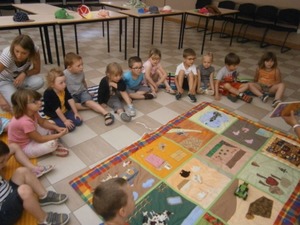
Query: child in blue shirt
[{"x": 134, "y": 80}]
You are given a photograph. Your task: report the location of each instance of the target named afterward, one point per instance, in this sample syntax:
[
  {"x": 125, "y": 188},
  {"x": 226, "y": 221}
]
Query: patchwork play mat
[{"x": 207, "y": 166}]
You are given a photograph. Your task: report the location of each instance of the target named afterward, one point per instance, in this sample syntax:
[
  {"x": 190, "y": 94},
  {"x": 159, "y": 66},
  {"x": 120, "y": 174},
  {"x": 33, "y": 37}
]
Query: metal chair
[
  {"x": 7, "y": 5},
  {"x": 287, "y": 21}
]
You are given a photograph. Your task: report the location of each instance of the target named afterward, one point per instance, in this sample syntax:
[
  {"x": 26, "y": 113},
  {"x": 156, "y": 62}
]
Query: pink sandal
[
  {"x": 42, "y": 170},
  {"x": 61, "y": 151}
]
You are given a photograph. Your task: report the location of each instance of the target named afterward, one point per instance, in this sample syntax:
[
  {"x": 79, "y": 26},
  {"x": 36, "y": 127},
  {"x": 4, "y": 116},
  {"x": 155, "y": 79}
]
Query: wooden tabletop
[
  {"x": 117, "y": 4},
  {"x": 8, "y": 22}
]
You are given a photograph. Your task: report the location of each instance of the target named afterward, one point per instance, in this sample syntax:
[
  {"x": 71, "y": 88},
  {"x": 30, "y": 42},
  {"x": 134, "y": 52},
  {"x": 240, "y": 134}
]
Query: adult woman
[{"x": 19, "y": 63}]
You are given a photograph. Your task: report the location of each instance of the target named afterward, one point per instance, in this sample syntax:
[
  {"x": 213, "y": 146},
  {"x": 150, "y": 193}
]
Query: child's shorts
[
  {"x": 115, "y": 103},
  {"x": 82, "y": 97},
  {"x": 138, "y": 88},
  {"x": 3, "y": 124},
  {"x": 11, "y": 209},
  {"x": 223, "y": 91}
]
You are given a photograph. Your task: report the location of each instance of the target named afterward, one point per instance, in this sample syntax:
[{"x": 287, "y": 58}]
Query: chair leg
[
  {"x": 283, "y": 47},
  {"x": 223, "y": 28},
  {"x": 242, "y": 39},
  {"x": 264, "y": 44}
]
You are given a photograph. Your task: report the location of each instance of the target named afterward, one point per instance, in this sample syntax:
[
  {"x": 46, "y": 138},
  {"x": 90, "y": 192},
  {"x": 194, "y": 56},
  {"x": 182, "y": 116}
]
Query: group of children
[{"x": 31, "y": 135}]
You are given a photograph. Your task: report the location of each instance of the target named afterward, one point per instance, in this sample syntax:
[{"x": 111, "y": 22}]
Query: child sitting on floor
[
  {"x": 35, "y": 135},
  {"x": 59, "y": 105},
  {"x": 134, "y": 80},
  {"x": 226, "y": 81},
  {"x": 111, "y": 88},
  {"x": 113, "y": 201},
  {"x": 25, "y": 191},
  {"x": 77, "y": 86},
  {"x": 206, "y": 75},
  {"x": 155, "y": 75},
  {"x": 186, "y": 75},
  {"x": 268, "y": 79}
]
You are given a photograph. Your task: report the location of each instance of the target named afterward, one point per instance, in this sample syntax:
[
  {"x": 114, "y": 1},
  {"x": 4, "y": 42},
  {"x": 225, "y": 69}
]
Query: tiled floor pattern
[{"x": 93, "y": 142}]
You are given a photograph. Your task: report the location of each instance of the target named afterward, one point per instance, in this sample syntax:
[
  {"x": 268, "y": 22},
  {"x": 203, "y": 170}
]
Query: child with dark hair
[
  {"x": 227, "y": 83},
  {"x": 134, "y": 80},
  {"x": 267, "y": 80},
  {"x": 113, "y": 201},
  {"x": 25, "y": 191}
]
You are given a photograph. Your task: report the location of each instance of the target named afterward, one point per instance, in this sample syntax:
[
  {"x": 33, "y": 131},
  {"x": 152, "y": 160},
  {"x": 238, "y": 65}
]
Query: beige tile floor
[{"x": 93, "y": 142}]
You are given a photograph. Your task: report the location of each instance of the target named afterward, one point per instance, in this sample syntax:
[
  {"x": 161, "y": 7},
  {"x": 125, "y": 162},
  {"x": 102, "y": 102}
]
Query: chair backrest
[
  {"x": 266, "y": 13},
  {"x": 247, "y": 10},
  {"x": 289, "y": 17},
  {"x": 202, "y": 3},
  {"x": 30, "y": 1},
  {"x": 226, "y": 4},
  {"x": 4, "y": 2}
]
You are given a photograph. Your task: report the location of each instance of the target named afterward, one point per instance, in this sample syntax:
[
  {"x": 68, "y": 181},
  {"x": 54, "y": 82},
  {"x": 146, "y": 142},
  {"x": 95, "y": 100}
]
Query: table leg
[
  {"x": 133, "y": 33},
  {"x": 153, "y": 24},
  {"x": 43, "y": 45},
  {"x": 125, "y": 39},
  {"x": 108, "y": 43},
  {"x": 162, "y": 29},
  {"x": 56, "y": 45},
  {"x": 204, "y": 35},
  {"x": 62, "y": 40},
  {"x": 47, "y": 40},
  {"x": 76, "y": 39},
  {"x": 183, "y": 29},
  {"x": 233, "y": 28},
  {"x": 139, "y": 35},
  {"x": 182, "y": 25},
  {"x": 120, "y": 35}
]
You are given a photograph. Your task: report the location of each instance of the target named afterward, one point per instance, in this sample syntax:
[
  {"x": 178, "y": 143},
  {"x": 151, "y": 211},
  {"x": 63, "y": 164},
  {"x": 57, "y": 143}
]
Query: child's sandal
[
  {"x": 43, "y": 170},
  {"x": 61, "y": 151},
  {"x": 246, "y": 98},
  {"x": 109, "y": 119}
]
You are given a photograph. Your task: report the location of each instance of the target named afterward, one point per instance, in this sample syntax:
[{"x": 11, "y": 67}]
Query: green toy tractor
[{"x": 242, "y": 191}]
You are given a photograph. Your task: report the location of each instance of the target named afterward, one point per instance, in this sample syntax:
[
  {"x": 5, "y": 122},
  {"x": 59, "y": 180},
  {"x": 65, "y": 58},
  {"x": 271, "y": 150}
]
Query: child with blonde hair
[
  {"x": 206, "y": 75},
  {"x": 35, "y": 135},
  {"x": 112, "y": 88},
  {"x": 59, "y": 105},
  {"x": 155, "y": 74},
  {"x": 77, "y": 87},
  {"x": 267, "y": 80}
]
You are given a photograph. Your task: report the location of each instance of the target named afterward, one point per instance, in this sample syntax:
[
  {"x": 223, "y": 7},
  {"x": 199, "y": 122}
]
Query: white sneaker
[{"x": 131, "y": 111}]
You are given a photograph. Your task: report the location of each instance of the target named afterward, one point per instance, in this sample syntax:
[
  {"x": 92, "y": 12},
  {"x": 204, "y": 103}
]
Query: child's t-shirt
[
  {"x": 267, "y": 77},
  {"x": 225, "y": 75},
  {"x": 5, "y": 189},
  {"x": 191, "y": 69},
  {"x": 130, "y": 82},
  {"x": 74, "y": 82},
  {"x": 205, "y": 73},
  {"x": 154, "y": 69}
]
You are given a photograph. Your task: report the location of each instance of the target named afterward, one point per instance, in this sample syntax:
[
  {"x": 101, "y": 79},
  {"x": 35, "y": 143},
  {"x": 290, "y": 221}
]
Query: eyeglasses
[
  {"x": 34, "y": 101},
  {"x": 137, "y": 68}
]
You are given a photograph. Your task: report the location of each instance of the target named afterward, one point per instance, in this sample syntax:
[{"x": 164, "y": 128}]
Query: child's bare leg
[
  {"x": 255, "y": 89},
  {"x": 179, "y": 82},
  {"x": 137, "y": 95},
  {"x": 278, "y": 89},
  {"x": 31, "y": 203},
  {"x": 96, "y": 107},
  {"x": 80, "y": 107}
]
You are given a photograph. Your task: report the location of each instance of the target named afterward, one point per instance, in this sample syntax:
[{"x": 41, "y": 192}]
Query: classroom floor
[{"x": 93, "y": 142}]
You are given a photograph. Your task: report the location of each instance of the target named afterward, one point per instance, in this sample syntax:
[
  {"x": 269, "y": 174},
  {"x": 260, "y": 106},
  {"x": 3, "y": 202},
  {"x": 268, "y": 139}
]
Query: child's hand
[
  {"x": 92, "y": 94},
  {"x": 69, "y": 124},
  {"x": 77, "y": 116},
  {"x": 61, "y": 131}
]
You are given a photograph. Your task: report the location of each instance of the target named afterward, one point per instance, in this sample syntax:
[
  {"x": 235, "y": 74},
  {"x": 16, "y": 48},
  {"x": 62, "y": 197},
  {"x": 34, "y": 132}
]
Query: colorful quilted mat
[{"x": 207, "y": 167}]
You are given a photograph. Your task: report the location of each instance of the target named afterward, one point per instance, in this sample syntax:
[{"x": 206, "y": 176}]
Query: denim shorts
[
  {"x": 82, "y": 97},
  {"x": 12, "y": 207}
]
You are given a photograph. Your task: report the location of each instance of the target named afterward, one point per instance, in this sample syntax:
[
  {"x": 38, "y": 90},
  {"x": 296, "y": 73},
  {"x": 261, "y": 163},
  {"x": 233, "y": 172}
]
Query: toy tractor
[{"x": 242, "y": 191}]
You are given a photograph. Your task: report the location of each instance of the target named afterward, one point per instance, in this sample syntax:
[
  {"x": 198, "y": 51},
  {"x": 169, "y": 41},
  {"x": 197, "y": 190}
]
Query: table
[
  {"x": 49, "y": 12},
  {"x": 135, "y": 15},
  {"x": 40, "y": 21},
  {"x": 207, "y": 17},
  {"x": 115, "y": 4}
]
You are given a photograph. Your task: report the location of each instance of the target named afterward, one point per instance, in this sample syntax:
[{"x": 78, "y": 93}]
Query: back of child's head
[
  {"x": 268, "y": 56},
  {"x": 20, "y": 100},
  {"x": 25, "y": 42},
  {"x": 232, "y": 59},
  {"x": 113, "y": 69},
  {"x": 4, "y": 150},
  {"x": 52, "y": 75},
  {"x": 154, "y": 52},
  {"x": 188, "y": 52},
  {"x": 134, "y": 59},
  {"x": 109, "y": 197},
  {"x": 71, "y": 58},
  {"x": 208, "y": 55}
]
